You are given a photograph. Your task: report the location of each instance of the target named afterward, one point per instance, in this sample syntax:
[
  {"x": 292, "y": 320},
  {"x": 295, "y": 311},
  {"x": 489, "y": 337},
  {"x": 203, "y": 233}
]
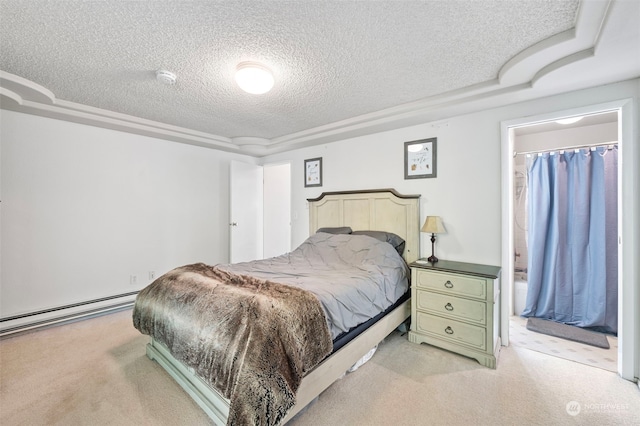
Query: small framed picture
[
  {"x": 313, "y": 172},
  {"x": 420, "y": 160}
]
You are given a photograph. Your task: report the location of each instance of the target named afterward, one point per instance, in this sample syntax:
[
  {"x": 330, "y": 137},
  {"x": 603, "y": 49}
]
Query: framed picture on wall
[
  {"x": 313, "y": 172},
  {"x": 420, "y": 159}
]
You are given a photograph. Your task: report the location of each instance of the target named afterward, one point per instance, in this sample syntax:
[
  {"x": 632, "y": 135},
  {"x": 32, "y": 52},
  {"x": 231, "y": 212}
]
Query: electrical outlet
[
  {"x": 152, "y": 275},
  {"x": 133, "y": 279}
]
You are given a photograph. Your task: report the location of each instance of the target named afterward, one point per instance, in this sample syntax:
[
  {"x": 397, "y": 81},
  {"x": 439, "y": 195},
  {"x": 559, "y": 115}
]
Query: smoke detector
[{"x": 166, "y": 77}]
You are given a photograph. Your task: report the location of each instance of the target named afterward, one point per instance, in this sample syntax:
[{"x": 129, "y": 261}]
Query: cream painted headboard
[{"x": 375, "y": 209}]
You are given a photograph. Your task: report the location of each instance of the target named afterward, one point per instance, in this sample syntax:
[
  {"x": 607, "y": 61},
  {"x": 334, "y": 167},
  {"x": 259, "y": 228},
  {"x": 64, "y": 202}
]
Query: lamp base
[{"x": 432, "y": 258}]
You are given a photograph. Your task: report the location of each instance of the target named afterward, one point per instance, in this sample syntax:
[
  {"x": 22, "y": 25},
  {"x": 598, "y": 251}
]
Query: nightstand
[{"x": 456, "y": 306}]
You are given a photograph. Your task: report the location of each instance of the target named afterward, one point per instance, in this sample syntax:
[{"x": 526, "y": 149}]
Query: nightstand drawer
[
  {"x": 452, "y": 330},
  {"x": 452, "y": 307},
  {"x": 452, "y": 284}
]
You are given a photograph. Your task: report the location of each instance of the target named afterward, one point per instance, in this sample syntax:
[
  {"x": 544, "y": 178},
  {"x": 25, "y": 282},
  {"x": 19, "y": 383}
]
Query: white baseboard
[{"x": 65, "y": 314}]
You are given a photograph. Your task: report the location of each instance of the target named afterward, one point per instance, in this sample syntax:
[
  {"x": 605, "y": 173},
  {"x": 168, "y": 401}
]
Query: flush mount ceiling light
[
  {"x": 166, "y": 77},
  {"x": 569, "y": 120},
  {"x": 254, "y": 78}
]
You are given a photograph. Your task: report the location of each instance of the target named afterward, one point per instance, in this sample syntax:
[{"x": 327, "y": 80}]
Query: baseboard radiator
[{"x": 16, "y": 324}]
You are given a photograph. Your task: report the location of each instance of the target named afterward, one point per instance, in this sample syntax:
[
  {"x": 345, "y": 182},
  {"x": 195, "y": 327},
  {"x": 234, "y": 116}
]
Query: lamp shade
[{"x": 433, "y": 225}]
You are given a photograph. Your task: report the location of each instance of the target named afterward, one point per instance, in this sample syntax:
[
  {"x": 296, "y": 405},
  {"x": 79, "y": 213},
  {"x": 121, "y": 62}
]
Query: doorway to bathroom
[
  {"x": 585, "y": 133},
  {"x": 582, "y": 143}
]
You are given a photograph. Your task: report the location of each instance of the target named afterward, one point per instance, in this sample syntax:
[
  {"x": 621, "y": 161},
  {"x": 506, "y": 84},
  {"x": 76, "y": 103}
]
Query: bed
[{"x": 379, "y": 210}]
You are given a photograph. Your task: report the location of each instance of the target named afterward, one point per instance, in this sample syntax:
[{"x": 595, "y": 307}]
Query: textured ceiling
[{"x": 332, "y": 60}]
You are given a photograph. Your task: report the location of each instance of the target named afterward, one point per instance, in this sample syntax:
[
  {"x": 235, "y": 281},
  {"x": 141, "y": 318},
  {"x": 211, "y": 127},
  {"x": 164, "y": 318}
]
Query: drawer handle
[
  {"x": 448, "y": 284},
  {"x": 448, "y": 307},
  {"x": 448, "y": 330}
]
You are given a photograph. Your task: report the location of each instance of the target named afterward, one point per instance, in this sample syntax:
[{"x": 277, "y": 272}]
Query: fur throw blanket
[{"x": 252, "y": 340}]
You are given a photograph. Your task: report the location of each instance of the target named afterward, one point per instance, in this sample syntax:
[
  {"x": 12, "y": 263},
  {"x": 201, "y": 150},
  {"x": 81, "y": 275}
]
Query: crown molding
[
  {"x": 22, "y": 95},
  {"x": 516, "y": 81}
]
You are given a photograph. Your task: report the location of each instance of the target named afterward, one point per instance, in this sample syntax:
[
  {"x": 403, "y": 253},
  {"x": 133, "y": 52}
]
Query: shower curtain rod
[{"x": 567, "y": 148}]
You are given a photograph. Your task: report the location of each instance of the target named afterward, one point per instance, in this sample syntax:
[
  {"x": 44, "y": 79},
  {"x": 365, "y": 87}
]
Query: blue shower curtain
[{"x": 573, "y": 238}]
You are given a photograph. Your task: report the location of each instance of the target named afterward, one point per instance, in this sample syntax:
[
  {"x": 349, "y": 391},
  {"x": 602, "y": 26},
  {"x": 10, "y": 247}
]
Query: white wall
[
  {"x": 584, "y": 135},
  {"x": 466, "y": 193},
  {"x": 84, "y": 208},
  {"x": 376, "y": 161},
  {"x": 277, "y": 209}
]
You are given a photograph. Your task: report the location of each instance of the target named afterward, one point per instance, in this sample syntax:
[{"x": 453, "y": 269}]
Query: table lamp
[{"x": 433, "y": 224}]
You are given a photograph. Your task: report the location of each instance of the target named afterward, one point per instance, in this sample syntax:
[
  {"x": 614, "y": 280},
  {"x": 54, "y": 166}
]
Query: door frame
[{"x": 628, "y": 248}]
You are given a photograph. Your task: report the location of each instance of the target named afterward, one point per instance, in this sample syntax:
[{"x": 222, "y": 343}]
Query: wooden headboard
[{"x": 374, "y": 209}]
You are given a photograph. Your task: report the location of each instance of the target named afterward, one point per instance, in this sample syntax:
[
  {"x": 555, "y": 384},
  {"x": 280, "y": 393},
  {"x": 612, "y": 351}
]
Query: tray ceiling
[{"x": 342, "y": 68}]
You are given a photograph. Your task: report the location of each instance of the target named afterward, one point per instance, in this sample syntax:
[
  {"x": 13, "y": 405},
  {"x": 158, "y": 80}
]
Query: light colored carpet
[
  {"x": 92, "y": 372},
  {"x": 95, "y": 372}
]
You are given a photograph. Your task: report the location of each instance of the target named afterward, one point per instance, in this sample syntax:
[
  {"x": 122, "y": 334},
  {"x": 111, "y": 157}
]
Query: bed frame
[{"x": 380, "y": 210}]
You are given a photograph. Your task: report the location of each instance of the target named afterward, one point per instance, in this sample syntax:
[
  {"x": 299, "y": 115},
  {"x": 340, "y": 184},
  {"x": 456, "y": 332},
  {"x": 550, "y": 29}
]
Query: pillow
[
  {"x": 387, "y": 237},
  {"x": 336, "y": 230}
]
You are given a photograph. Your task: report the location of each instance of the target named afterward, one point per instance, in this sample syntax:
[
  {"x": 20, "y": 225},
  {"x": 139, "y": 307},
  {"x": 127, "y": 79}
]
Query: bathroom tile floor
[{"x": 606, "y": 359}]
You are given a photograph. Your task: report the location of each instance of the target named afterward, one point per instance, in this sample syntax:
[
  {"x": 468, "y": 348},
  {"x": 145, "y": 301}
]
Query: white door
[
  {"x": 277, "y": 209},
  {"x": 246, "y": 212}
]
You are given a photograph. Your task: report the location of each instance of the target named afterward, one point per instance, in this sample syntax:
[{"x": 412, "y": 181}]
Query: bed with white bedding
[
  {"x": 355, "y": 276},
  {"x": 249, "y": 341}
]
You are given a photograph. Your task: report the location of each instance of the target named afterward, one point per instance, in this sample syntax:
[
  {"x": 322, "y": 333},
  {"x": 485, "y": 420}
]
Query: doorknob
[{"x": 234, "y": 224}]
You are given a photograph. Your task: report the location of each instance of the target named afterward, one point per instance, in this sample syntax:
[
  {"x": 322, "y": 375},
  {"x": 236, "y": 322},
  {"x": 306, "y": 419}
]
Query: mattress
[{"x": 348, "y": 336}]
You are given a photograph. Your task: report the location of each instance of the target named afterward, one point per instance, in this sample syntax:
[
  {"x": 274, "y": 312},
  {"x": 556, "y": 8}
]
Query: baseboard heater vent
[{"x": 64, "y": 314}]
